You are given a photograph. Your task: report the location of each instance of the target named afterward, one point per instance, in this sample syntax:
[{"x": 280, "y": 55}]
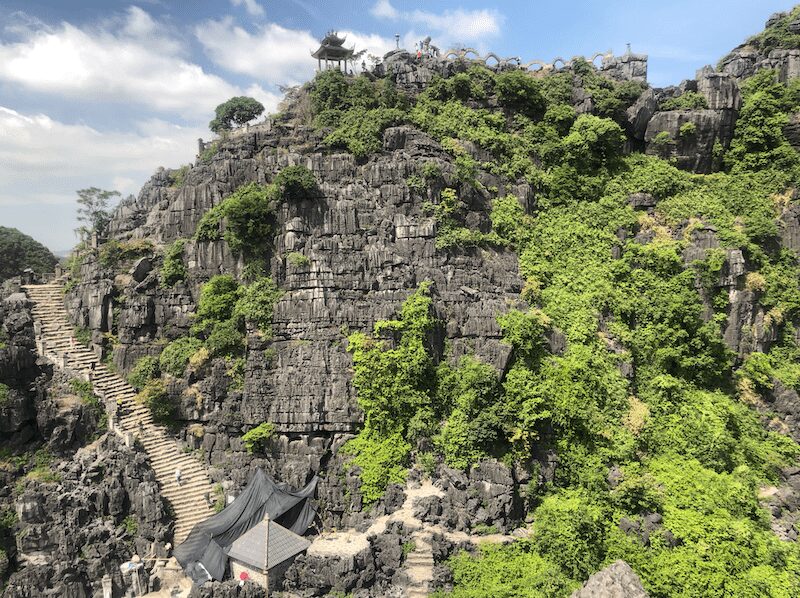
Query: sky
[{"x": 101, "y": 93}]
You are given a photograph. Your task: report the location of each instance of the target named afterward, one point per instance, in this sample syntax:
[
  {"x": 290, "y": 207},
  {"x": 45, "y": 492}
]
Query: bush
[
  {"x": 257, "y": 303},
  {"x": 176, "y": 355},
  {"x": 690, "y": 100},
  {"x": 383, "y": 461},
  {"x": 4, "y": 390},
  {"x": 593, "y": 143},
  {"x": 256, "y": 438},
  {"x": 173, "y": 270},
  {"x": 218, "y": 298},
  {"x": 687, "y": 130},
  {"x": 298, "y": 260},
  {"x": 155, "y": 397},
  {"x": 295, "y": 183},
  {"x": 146, "y": 369},
  {"x": 520, "y": 92}
]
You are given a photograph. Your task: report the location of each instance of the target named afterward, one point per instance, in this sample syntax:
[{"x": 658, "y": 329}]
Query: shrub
[
  {"x": 256, "y": 438},
  {"x": 593, "y": 143},
  {"x": 146, "y": 369},
  {"x": 218, "y": 299},
  {"x": 173, "y": 270},
  {"x": 298, "y": 260},
  {"x": 83, "y": 335},
  {"x": 689, "y": 100},
  {"x": 520, "y": 92},
  {"x": 295, "y": 183},
  {"x": 383, "y": 461},
  {"x": 225, "y": 339},
  {"x": 131, "y": 526},
  {"x": 257, "y": 303},
  {"x": 4, "y": 390},
  {"x": 687, "y": 130},
  {"x": 178, "y": 177},
  {"x": 155, "y": 397},
  {"x": 176, "y": 355},
  {"x": 248, "y": 214}
]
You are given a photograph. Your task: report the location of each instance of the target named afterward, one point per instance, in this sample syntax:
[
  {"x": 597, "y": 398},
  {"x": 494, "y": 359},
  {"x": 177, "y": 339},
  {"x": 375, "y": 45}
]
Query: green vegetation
[
  {"x": 4, "y": 390},
  {"x": 248, "y": 214},
  {"x": 235, "y": 112},
  {"x": 173, "y": 269},
  {"x": 256, "y": 438},
  {"x": 94, "y": 212},
  {"x": 689, "y": 100},
  {"x": 131, "y": 525},
  {"x": 779, "y": 35},
  {"x": 298, "y": 260},
  {"x": 175, "y": 356},
  {"x": 155, "y": 397},
  {"x": 677, "y": 424},
  {"x": 145, "y": 370},
  {"x": 112, "y": 252},
  {"x": 20, "y": 251},
  {"x": 83, "y": 335},
  {"x": 178, "y": 177}
]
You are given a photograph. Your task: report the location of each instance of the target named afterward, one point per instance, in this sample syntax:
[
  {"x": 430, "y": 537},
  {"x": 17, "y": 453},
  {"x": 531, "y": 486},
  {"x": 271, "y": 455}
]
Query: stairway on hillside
[{"x": 54, "y": 340}]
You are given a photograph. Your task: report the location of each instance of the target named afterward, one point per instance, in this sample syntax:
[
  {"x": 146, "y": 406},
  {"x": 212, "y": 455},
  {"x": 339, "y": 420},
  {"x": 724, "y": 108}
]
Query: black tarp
[{"x": 209, "y": 541}]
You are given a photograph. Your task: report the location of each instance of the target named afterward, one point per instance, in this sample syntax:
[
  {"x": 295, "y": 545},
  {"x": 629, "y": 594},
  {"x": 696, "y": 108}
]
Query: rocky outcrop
[
  {"x": 617, "y": 580},
  {"x": 688, "y": 136},
  {"x": 86, "y": 518}
]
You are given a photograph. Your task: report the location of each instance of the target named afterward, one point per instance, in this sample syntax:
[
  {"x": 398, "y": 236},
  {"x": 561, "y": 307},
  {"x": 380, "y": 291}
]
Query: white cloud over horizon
[
  {"x": 132, "y": 59},
  {"x": 272, "y": 53},
  {"x": 450, "y": 25},
  {"x": 253, "y": 8}
]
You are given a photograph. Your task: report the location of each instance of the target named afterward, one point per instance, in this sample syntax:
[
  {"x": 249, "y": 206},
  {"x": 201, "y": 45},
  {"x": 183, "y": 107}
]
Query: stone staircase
[
  {"x": 54, "y": 341},
  {"x": 419, "y": 565}
]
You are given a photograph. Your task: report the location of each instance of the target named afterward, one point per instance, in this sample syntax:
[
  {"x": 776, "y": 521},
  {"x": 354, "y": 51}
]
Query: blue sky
[{"x": 103, "y": 92}]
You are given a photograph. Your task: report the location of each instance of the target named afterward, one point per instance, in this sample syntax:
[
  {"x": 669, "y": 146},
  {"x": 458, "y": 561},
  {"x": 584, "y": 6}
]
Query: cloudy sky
[{"x": 102, "y": 92}]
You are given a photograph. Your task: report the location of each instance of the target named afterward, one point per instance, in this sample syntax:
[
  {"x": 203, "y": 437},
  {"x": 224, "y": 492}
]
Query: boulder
[{"x": 617, "y": 580}]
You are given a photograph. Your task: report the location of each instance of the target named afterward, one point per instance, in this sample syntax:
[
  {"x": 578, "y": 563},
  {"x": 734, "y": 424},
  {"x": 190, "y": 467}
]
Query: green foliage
[
  {"x": 131, "y": 525},
  {"x": 568, "y": 530},
  {"x": 295, "y": 183},
  {"x": 687, "y": 130},
  {"x": 360, "y": 132},
  {"x": 449, "y": 212},
  {"x": 256, "y": 438},
  {"x": 593, "y": 143},
  {"x": 94, "y": 212},
  {"x": 20, "y": 251},
  {"x": 173, "y": 269},
  {"x": 519, "y": 92},
  {"x": 3, "y": 394},
  {"x": 249, "y": 217},
  {"x": 759, "y": 142},
  {"x": 178, "y": 177},
  {"x": 237, "y": 111},
  {"x": 298, "y": 260},
  {"x": 516, "y": 570},
  {"x": 155, "y": 397},
  {"x": 83, "y": 335},
  {"x": 218, "y": 298},
  {"x": 257, "y": 303},
  {"x": 382, "y": 461},
  {"x": 146, "y": 369},
  {"x": 779, "y": 35},
  {"x": 689, "y": 100},
  {"x": 175, "y": 356}
]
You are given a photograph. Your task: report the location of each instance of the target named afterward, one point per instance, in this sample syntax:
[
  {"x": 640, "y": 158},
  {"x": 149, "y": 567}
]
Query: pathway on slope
[
  {"x": 54, "y": 336},
  {"x": 419, "y": 562}
]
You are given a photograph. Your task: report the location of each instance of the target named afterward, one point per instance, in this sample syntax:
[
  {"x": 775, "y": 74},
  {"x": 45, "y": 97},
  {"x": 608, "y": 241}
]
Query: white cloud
[
  {"x": 132, "y": 59},
  {"x": 383, "y": 9},
  {"x": 253, "y": 8},
  {"x": 75, "y": 156},
  {"x": 272, "y": 53},
  {"x": 449, "y": 25}
]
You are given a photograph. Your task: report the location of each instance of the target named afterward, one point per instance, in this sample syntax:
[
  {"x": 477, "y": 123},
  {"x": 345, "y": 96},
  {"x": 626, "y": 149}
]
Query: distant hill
[{"x": 19, "y": 251}]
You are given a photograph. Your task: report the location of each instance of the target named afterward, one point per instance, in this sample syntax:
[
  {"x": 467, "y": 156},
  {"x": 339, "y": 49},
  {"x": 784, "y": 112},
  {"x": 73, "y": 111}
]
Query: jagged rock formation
[
  {"x": 615, "y": 581},
  {"x": 189, "y": 496},
  {"x": 103, "y": 508}
]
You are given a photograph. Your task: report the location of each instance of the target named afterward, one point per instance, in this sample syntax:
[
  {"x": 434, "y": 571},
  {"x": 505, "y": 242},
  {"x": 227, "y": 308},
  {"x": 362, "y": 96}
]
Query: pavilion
[{"x": 333, "y": 52}]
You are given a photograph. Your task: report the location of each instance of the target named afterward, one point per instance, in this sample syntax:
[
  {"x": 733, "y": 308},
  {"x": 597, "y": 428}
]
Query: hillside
[
  {"x": 565, "y": 300},
  {"x": 20, "y": 251}
]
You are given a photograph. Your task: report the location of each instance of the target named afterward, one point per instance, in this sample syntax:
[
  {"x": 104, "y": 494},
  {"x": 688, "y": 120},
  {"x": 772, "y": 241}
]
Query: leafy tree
[
  {"x": 94, "y": 212},
  {"x": 237, "y": 111},
  {"x": 19, "y": 251}
]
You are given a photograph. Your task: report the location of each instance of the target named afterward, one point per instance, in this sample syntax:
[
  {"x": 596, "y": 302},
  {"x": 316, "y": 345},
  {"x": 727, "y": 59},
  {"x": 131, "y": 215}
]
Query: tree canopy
[
  {"x": 93, "y": 211},
  {"x": 235, "y": 112},
  {"x": 20, "y": 251}
]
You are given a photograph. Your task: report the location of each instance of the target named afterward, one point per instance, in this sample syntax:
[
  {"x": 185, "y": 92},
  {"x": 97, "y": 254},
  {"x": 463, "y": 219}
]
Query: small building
[
  {"x": 332, "y": 51},
  {"x": 264, "y": 553}
]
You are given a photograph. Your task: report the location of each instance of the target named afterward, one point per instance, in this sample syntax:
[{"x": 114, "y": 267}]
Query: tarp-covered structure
[{"x": 206, "y": 548}]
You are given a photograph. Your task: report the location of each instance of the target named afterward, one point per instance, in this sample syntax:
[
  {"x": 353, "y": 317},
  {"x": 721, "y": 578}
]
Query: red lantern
[{"x": 244, "y": 576}]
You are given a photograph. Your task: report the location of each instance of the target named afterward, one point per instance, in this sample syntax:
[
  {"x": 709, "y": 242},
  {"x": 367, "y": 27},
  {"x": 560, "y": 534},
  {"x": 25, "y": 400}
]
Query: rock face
[
  {"x": 103, "y": 507},
  {"x": 615, "y": 581},
  {"x": 691, "y": 135}
]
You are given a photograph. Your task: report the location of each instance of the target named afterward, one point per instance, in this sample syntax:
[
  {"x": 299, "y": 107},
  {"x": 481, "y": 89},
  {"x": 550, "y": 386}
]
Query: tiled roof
[{"x": 283, "y": 544}]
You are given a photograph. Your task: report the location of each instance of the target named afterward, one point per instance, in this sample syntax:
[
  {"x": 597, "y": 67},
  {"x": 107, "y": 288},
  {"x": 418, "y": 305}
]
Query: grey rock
[
  {"x": 141, "y": 269},
  {"x": 617, "y": 580},
  {"x": 638, "y": 115}
]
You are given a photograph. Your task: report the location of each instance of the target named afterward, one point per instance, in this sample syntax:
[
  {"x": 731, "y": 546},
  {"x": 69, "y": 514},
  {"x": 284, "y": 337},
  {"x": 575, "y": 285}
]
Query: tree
[
  {"x": 19, "y": 251},
  {"x": 93, "y": 211},
  {"x": 235, "y": 112}
]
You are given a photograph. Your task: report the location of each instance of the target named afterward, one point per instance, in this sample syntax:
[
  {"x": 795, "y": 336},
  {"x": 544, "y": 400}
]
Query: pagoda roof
[
  {"x": 333, "y": 39},
  {"x": 333, "y": 52}
]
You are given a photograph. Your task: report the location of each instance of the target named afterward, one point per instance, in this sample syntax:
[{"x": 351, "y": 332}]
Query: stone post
[{"x": 108, "y": 587}]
